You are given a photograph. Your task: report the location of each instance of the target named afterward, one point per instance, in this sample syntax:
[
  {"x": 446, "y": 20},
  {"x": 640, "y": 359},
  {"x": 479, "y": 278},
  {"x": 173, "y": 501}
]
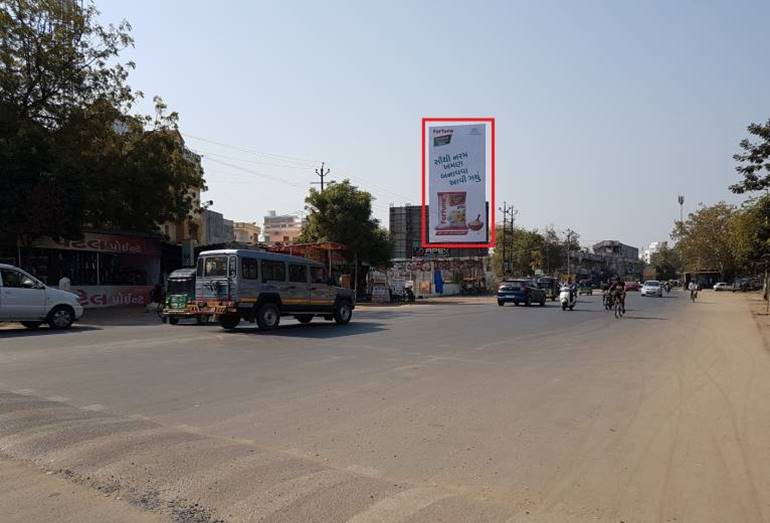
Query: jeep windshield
[{"x": 214, "y": 266}]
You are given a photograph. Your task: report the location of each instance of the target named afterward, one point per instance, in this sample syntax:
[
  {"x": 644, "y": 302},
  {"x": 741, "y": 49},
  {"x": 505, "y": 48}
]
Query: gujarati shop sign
[
  {"x": 457, "y": 184},
  {"x": 107, "y": 243}
]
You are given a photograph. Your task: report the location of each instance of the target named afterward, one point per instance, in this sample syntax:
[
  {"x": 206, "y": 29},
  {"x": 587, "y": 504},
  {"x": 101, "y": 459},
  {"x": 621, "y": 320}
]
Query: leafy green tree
[
  {"x": 71, "y": 155},
  {"x": 705, "y": 241},
  {"x": 342, "y": 213},
  {"x": 554, "y": 252},
  {"x": 523, "y": 251},
  {"x": 751, "y": 235},
  {"x": 666, "y": 263},
  {"x": 754, "y": 161}
]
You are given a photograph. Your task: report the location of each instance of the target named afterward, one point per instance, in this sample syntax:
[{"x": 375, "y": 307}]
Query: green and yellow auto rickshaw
[{"x": 179, "y": 301}]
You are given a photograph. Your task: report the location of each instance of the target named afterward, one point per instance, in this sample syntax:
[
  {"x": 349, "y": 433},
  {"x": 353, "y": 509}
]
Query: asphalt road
[{"x": 449, "y": 412}]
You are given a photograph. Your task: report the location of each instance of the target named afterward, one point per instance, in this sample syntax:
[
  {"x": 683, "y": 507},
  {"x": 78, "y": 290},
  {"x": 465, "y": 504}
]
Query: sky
[{"x": 605, "y": 111}]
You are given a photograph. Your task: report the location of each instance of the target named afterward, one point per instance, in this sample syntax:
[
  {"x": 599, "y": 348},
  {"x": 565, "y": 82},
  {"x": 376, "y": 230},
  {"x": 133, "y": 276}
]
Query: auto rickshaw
[
  {"x": 179, "y": 302},
  {"x": 550, "y": 286}
]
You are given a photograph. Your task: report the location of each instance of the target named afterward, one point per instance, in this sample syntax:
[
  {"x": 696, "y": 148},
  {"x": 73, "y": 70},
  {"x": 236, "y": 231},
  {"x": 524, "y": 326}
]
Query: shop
[
  {"x": 443, "y": 275},
  {"x": 104, "y": 269}
]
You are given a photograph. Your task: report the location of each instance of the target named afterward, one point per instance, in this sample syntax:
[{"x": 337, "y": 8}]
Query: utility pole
[
  {"x": 321, "y": 174},
  {"x": 570, "y": 233},
  {"x": 680, "y": 199},
  {"x": 508, "y": 212}
]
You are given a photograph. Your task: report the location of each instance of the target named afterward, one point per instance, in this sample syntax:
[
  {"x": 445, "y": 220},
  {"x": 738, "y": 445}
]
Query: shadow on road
[
  {"x": 644, "y": 318},
  {"x": 315, "y": 330},
  {"x": 23, "y": 332}
]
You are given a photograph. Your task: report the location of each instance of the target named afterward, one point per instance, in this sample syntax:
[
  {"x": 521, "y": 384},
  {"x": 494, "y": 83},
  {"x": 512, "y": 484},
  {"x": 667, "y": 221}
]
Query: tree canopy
[
  {"x": 72, "y": 155},
  {"x": 754, "y": 161},
  {"x": 705, "y": 239},
  {"x": 343, "y": 213}
]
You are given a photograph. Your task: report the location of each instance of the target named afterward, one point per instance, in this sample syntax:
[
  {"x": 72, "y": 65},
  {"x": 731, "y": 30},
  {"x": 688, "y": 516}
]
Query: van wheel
[
  {"x": 61, "y": 317},
  {"x": 201, "y": 319},
  {"x": 229, "y": 321},
  {"x": 304, "y": 318},
  {"x": 343, "y": 311},
  {"x": 32, "y": 325},
  {"x": 172, "y": 320},
  {"x": 500, "y": 303},
  {"x": 268, "y": 316}
]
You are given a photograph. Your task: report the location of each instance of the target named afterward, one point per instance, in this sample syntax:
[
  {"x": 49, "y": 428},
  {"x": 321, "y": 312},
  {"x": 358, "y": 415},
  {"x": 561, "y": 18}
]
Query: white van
[{"x": 26, "y": 299}]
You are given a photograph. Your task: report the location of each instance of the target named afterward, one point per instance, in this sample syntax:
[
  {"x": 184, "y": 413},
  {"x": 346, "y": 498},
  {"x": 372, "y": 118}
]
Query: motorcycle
[{"x": 567, "y": 298}]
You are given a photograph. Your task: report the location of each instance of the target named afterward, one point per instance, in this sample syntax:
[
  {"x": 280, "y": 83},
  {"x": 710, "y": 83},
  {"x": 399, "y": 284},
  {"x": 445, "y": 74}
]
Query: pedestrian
[{"x": 65, "y": 283}]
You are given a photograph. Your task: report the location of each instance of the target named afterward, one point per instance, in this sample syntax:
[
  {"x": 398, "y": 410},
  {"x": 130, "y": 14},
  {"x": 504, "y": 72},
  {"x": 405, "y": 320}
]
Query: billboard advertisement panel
[{"x": 456, "y": 184}]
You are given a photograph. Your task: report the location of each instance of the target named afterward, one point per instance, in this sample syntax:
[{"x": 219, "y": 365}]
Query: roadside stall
[{"x": 442, "y": 275}]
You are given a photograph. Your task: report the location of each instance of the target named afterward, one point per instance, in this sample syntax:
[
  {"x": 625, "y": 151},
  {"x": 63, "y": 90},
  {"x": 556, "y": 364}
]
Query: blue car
[{"x": 521, "y": 290}]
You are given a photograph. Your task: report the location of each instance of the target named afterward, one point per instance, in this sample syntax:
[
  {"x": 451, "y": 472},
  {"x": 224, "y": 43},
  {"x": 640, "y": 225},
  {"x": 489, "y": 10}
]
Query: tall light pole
[{"x": 680, "y": 199}]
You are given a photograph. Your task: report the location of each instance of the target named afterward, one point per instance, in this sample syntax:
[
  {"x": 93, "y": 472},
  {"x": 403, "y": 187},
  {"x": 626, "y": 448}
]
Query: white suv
[{"x": 26, "y": 299}]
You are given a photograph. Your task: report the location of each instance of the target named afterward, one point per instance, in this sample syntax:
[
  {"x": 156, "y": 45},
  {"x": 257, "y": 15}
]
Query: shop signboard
[
  {"x": 106, "y": 243},
  {"x": 456, "y": 185},
  {"x": 97, "y": 296}
]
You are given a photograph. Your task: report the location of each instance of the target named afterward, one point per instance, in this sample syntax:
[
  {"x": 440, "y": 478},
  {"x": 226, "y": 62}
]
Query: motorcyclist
[
  {"x": 693, "y": 288},
  {"x": 572, "y": 289}
]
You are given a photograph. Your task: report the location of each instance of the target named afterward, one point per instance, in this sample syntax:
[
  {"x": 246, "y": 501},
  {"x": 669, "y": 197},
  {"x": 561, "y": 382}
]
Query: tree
[
  {"x": 754, "y": 161},
  {"x": 666, "y": 263},
  {"x": 704, "y": 240},
  {"x": 523, "y": 250},
  {"x": 554, "y": 252},
  {"x": 71, "y": 155},
  {"x": 342, "y": 213},
  {"x": 751, "y": 235}
]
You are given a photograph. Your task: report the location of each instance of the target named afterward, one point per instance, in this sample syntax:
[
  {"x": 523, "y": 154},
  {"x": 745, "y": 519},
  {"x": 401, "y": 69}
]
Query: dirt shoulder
[{"x": 29, "y": 493}]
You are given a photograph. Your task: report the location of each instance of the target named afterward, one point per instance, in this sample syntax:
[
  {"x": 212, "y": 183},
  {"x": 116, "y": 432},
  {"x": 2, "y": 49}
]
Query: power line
[
  {"x": 250, "y": 151},
  {"x": 256, "y": 173}
]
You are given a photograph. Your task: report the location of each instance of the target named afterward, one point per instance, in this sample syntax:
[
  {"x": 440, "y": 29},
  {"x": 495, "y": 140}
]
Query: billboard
[{"x": 456, "y": 184}]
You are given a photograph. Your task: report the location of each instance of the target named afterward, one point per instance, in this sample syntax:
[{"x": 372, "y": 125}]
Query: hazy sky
[{"x": 605, "y": 110}]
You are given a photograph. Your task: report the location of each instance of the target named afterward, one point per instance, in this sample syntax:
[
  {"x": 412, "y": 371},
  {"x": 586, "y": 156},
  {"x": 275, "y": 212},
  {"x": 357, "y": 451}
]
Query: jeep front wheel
[
  {"x": 343, "y": 311},
  {"x": 268, "y": 316},
  {"x": 229, "y": 321}
]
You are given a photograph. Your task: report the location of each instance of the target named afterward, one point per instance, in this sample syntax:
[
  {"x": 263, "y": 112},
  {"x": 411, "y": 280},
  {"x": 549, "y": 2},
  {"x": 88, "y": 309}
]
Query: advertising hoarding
[{"x": 456, "y": 184}]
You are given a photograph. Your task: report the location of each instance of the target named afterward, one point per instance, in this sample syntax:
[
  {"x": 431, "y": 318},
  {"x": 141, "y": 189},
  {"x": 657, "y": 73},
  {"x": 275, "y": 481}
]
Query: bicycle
[
  {"x": 693, "y": 295},
  {"x": 619, "y": 305}
]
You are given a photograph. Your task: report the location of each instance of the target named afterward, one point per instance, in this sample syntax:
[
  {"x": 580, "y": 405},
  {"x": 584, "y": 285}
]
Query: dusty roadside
[{"x": 28, "y": 493}]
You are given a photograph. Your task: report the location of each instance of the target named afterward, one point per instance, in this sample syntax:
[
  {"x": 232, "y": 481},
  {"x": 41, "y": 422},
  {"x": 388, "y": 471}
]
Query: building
[
  {"x": 405, "y": 228},
  {"x": 616, "y": 249},
  {"x": 246, "y": 232},
  {"x": 652, "y": 249},
  {"x": 284, "y": 228},
  {"x": 217, "y": 229},
  {"x": 187, "y": 230}
]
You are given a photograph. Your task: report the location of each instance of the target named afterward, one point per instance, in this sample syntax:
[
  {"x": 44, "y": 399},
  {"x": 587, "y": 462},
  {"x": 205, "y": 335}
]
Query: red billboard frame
[{"x": 423, "y": 230}]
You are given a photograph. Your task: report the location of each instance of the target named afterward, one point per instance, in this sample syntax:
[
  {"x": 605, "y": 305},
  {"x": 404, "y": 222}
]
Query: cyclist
[{"x": 618, "y": 292}]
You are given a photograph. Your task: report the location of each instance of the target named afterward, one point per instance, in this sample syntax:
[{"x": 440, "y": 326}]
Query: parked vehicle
[
  {"x": 26, "y": 299},
  {"x": 521, "y": 290},
  {"x": 567, "y": 298},
  {"x": 722, "y": 286},
  {"x": 261, "y": 287},
  {"x": 179, "y": 302},
  {"x": 652, "y": 288},
  {"x": 550, "y": 286},
  {"x": 633, "y": 286},
  {"x": 585, "y": 287}
]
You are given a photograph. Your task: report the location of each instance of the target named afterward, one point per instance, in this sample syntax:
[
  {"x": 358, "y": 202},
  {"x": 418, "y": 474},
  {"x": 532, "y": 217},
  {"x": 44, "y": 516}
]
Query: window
[
  {"x": 298, "y": 273},
  {"x": 249, "y": 268},
  {"x": 233, "y": 267},
  {"x": 199, "y": 268},
  {"x": 215, "y": 266},
  {"x": 11, "y": 278},
  {"x": 317, "y": 274},
  {"x": 273, "y": 271}
]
